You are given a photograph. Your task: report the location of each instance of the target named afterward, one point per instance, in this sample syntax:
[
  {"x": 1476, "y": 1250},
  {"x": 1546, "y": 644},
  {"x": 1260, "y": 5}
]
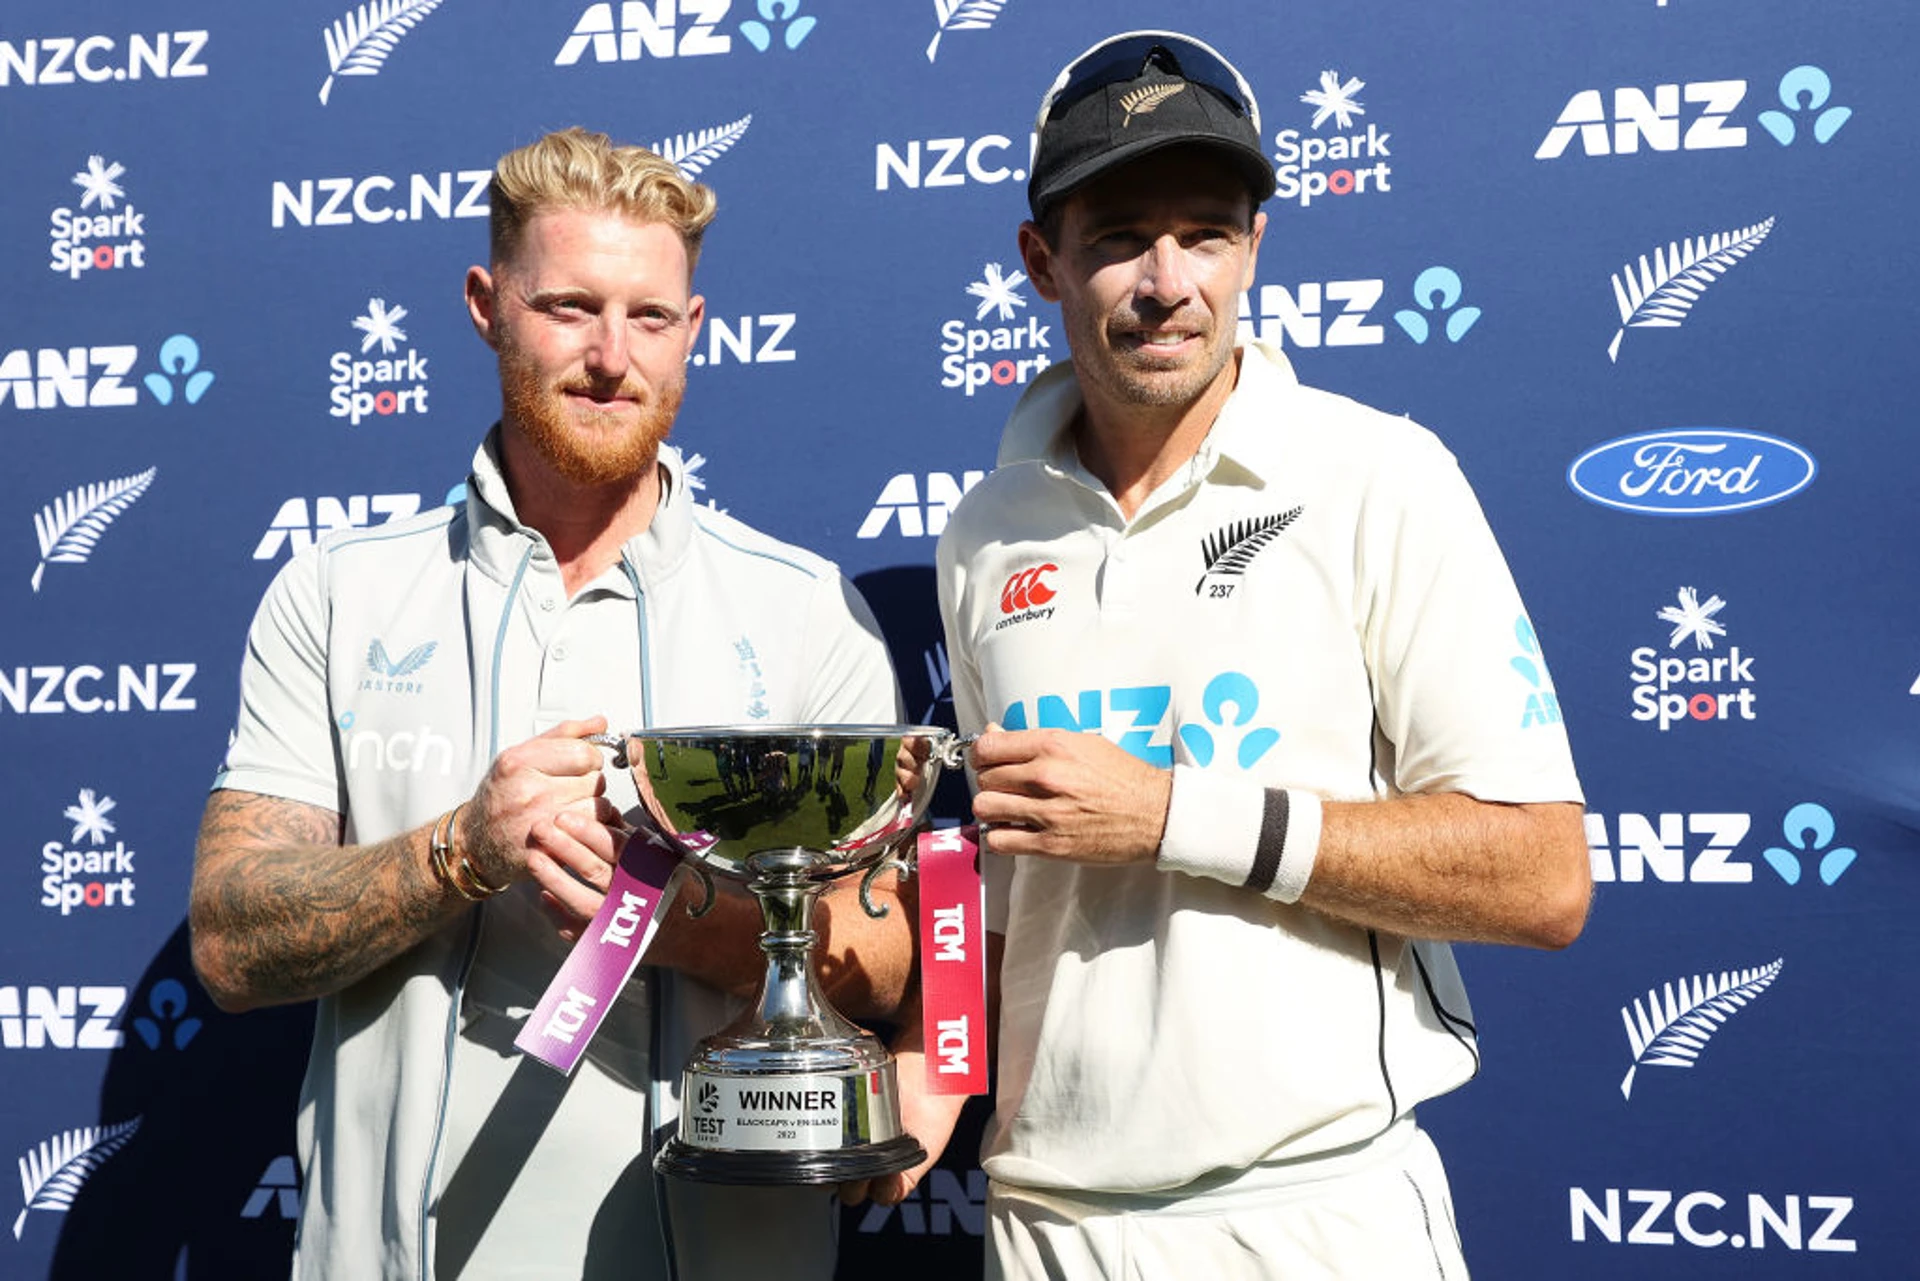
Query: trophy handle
[
  {"x": 901, "y": 865},
  {"x": 707, "y": 894}
]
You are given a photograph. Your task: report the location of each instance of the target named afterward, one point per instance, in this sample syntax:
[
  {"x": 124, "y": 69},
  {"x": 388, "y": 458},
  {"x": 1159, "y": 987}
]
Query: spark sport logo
[
  {"x": 1346, "y": 162},
  {"x": 105, "y": 233},
  {"x": 1670, "y": 690},
  {"x": 83, "y": 871},
  {"x": 979, "y": 355},
  {"x": 384, "y": 382}
]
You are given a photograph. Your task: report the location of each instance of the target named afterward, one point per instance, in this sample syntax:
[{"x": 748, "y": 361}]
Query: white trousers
[{"x": 1381, "y": 1212}]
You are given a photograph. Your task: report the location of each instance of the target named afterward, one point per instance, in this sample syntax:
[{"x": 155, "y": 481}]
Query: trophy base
[
  {"x": 844, "y": 1165},
  {"x": 823, "y": 1113}
]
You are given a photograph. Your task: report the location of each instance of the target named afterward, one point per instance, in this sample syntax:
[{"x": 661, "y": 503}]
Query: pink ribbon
[
  {"x": 604, "y": 956},
  {"x": 953, "y": 961}
]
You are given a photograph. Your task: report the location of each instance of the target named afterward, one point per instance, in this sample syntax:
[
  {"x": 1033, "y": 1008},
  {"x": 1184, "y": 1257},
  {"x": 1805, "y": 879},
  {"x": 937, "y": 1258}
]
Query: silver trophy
[{"x": 791, "y": 1091}]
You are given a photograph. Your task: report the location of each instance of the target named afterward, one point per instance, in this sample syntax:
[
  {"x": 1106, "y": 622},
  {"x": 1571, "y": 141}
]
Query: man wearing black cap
[{"x": 1305, "y": 667}]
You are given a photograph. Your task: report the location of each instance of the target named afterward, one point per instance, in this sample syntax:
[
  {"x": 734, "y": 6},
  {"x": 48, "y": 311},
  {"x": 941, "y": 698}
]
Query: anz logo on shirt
[{"x": 1229, "y": 703}]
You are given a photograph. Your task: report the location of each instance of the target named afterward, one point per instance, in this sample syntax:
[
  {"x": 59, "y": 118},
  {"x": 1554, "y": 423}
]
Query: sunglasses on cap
[{"x": 1123, "y": 57}]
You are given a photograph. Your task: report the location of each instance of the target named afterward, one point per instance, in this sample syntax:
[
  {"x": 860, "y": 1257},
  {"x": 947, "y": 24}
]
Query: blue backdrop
[{"x": 1639, "y": 262}]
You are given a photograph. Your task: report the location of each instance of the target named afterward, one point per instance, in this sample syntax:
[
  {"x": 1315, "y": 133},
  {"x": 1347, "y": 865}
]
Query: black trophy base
[{"x": 840, "y": 1165}]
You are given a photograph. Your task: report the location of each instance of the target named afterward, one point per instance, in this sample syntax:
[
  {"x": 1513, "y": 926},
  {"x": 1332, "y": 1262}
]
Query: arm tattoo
[{"x": 282, "y": 911}]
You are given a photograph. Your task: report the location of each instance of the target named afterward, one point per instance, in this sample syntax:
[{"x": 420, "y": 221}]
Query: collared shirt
[
  {"x": 1313, "y": 601},
  {"x": 385, "y": 669}
]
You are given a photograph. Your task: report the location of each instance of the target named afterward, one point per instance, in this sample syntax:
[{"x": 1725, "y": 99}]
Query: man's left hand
[{"x": 1056, "y": 794}]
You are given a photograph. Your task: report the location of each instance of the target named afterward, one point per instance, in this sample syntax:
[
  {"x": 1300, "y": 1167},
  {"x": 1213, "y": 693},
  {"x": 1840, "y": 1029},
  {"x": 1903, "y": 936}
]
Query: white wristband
[{"x": 1233, "y": 831}]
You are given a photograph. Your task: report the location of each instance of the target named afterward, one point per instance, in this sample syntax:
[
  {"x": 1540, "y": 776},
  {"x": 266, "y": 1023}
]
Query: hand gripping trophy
[{"x": 791, "y": 1091}]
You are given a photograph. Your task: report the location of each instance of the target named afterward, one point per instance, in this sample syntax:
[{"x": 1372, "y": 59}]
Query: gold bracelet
[{"x": 456, "y": 872}]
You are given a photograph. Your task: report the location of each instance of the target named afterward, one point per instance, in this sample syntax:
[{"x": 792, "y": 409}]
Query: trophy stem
[{"x": 792, "y": 1006}]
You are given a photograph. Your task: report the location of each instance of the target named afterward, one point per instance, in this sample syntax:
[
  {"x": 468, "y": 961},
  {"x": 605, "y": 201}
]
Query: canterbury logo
[
  {"x": 1146, "y": 100},
  {"x": 407, "y": 664},
  {"x": 1026, "y": 589},
  {"x": 1229, "y": 551}
]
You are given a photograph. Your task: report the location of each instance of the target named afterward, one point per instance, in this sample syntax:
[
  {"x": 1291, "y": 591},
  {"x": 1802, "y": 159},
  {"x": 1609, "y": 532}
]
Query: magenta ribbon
[{"x": 604, "y": 956}]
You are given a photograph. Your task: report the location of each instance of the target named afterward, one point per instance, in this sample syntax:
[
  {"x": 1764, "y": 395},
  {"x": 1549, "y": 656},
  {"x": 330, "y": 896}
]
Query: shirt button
[
  {"x": 559, "y": 653},
  {"x": 546, "y": 603}
]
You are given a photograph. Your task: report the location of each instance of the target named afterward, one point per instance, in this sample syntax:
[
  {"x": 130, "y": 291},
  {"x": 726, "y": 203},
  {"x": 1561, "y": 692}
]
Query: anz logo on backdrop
[
  {"x": 1350, "y": 313},
  {"x": 1699, "y": 115},
  {"x": 917, "y": 506},
  {"x": 659, "y": 30},
  {"x": 103, "y": 376},
  {"x": 1702, "y": 848}
]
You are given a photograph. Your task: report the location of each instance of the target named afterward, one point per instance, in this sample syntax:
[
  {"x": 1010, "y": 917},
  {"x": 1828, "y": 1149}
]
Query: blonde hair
[{"x": 576, "y": 169}]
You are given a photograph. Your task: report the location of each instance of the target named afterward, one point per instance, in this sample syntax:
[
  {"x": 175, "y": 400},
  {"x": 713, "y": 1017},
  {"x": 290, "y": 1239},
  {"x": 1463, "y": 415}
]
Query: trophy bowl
[{"x": 791, "y": 1091}]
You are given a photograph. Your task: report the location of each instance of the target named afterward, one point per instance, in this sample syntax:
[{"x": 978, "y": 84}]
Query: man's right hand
[{"x": 542, "y": 813}]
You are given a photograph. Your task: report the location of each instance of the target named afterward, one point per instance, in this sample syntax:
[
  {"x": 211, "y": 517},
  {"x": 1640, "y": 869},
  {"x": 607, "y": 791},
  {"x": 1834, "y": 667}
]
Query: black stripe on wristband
[{"x": 1273, "y": 839}]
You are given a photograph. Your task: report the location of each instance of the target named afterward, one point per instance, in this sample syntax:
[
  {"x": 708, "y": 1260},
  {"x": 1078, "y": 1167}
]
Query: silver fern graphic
[
  {"x": 69, "y": 527},
  {"x": 410, "y": 662},
  {"x": 358, "y": 43},
  {"x": 52, "y": 1174},
  {"x": 693, "y": 152},
  {"x": 1231, "y": 550},
  {"x": 962, "y": 15},
  {"x": 1670, "y": 1027},
  {"x": 1659, "y": 297},
  {"x": 1145, "y": 100}
]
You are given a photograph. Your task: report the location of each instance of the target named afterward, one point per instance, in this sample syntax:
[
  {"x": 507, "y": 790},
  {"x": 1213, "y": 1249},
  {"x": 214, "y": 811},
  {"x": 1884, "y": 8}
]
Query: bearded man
[{"x": 414, "y": 842}]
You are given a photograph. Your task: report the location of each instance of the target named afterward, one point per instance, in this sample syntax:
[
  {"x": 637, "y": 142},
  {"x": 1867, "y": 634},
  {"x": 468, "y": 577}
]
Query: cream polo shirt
[
  {"x": 1315, "y": 601},
  {"x": 385, "y": 669}
]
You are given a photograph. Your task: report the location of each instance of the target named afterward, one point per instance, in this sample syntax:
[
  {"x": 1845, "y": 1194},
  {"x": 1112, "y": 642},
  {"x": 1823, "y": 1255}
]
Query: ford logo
[{"x": 1692, "y": 471}]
